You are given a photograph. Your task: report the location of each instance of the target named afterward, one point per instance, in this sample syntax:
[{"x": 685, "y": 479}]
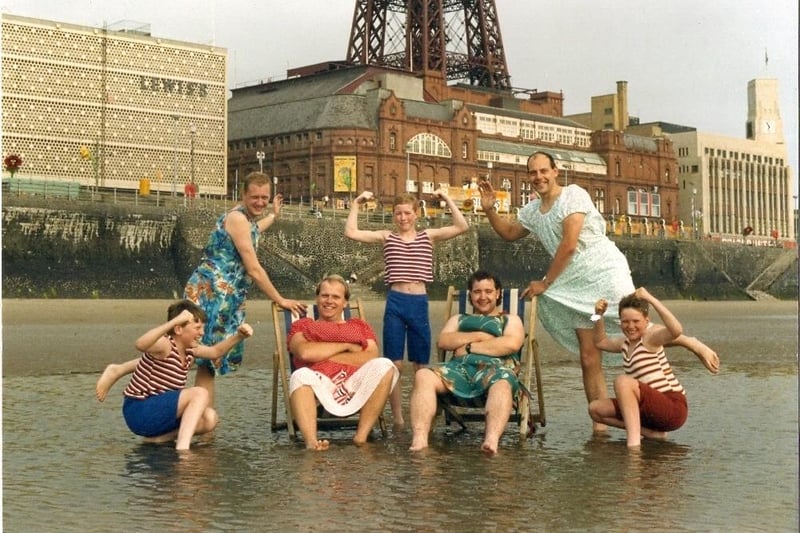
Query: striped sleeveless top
[
  {"x": 408, "y": 260},
  {"x": 156, "y": 376},
  {"x": 649, "y": 367}
]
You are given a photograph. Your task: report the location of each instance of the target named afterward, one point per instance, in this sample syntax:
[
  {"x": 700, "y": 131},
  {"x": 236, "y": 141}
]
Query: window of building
[
  {"x": 429, "y": 144},
  {"x": 393, "y": 141},
  {"x": 464, "y": 150}
]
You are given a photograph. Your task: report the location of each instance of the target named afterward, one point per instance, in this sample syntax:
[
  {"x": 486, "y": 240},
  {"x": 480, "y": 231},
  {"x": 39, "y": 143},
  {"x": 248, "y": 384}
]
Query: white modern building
[{"x": 113, "y": 106}]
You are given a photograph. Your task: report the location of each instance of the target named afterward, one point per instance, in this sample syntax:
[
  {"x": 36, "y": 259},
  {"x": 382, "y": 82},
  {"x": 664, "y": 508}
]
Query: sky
[{"x": 686, "y": 62}]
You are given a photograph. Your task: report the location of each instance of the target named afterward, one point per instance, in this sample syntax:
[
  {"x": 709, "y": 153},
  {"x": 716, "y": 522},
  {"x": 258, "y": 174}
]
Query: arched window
[{"x": 429, "y": 144}]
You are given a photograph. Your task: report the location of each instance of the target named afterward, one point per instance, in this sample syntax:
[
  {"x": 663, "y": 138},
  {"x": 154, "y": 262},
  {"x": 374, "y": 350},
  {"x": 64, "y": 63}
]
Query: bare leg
[
  {"x": 111, "y": 375},
  {"x": 166, "y": 437},
  {"x": 204, "y": 378},
  {"x": 427, "y": 384},
  {"x": 628, "y": 395},
  {"x": 498, "y": 408},
  {"x": 373, "y": 408},
  {"x": 396, "y": 399},
  {"x": 594, "y": 383},
  {"x": 304, "y": 409},
  {"x": 192, "y": 406}
]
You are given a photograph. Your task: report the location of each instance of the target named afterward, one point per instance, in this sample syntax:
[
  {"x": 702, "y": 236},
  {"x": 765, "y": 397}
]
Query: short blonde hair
[
  {"x": 334, "y": 278},
  {"x": 406, "y": 199}
]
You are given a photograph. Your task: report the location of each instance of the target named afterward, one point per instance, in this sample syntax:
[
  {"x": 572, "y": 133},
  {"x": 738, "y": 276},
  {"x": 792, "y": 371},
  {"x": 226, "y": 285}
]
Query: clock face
[{"x": 769, "y": 126}]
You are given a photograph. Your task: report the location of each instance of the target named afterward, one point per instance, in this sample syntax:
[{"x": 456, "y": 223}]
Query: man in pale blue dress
[{"x": 586, "y": 266}]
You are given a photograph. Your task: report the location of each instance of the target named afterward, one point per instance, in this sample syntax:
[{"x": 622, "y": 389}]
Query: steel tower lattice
[{"x": 458, "y": 38}]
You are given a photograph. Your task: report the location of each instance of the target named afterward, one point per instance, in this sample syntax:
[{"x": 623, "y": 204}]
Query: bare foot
[
  {"x": 418, "y": 444},
  {"x": 655, "y": 435},
  {"x": 160, "y": 439},
  {"x": 107, "y": 379},
  {"x": 319, "y": 445},
  {"x": 597, "y": 427},
  {"x": 489, "y": 448}
]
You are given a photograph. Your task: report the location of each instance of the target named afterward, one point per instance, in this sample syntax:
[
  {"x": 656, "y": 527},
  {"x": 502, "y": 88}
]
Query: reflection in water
[{"x": 70, "y": 461}]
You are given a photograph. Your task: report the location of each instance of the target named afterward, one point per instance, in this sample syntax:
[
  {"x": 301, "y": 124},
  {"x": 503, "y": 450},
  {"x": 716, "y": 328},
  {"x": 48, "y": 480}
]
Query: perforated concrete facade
[{"x": 133, "y": 100}]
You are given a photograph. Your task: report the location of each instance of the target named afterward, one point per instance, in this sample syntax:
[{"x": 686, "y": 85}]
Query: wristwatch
[
  {"x": 595, "y": 317},
  {"x": 468, "y": 347}
]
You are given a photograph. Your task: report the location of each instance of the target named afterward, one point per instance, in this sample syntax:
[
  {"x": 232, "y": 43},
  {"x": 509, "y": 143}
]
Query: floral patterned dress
[
  {"x": 219, "y": 285},
  {"x": 470, "y": 376},
  {"x": 598, "y": 268}
]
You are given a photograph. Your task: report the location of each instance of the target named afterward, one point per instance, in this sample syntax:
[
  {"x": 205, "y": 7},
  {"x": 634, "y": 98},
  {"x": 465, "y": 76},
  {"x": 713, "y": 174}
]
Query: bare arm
[
  {"x": 506, "y": 229},
  {"x": 312, "y": 351},
  {"x": 660, "y": 335},
  {"x": 601, "y": 341},
  {"x": 571, "y": 229},
  {"x": 269, "y": 220},
  {"x": 238, "y": 227},
  {"x": 218, "y": 350},
  {"x": 358, "y": 358},
  {"x": 155, "y": 342},
  {"x": 351, "y": 230},
  {"x": 459, "y": 226},
  {"x": 484, "y": 343}
]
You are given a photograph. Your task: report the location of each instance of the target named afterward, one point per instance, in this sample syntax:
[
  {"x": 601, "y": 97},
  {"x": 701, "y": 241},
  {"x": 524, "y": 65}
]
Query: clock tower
[{"x": 763, "y": 115}]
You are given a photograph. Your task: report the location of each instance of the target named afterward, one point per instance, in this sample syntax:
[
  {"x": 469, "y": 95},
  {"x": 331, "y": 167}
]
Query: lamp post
[
  {"x": 275, "y": 186},
  {"x": 175, "y": 150},
  {"x": 408, "y": 162},
  {"x": 193, "y": 131},
  {"x": 260, "y": 156},
  {"x": 506, "y": 186},
  {"x": 694, "y": 213}
]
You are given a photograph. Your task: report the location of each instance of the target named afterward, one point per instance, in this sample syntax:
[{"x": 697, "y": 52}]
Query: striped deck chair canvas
[
  {"x": 282, "y": 368},
  {"x": 529, "y": 413}
]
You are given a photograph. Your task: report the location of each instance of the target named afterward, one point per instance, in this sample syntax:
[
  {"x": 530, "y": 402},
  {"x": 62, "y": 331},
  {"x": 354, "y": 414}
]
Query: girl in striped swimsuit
[
  {"x": 408, "y": 260},
  {"x": 649, "y": 399}
]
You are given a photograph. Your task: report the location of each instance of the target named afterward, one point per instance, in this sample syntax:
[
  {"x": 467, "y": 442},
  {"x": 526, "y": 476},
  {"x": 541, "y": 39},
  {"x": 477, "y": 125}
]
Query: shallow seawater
[{"x": 69, "y": 463}]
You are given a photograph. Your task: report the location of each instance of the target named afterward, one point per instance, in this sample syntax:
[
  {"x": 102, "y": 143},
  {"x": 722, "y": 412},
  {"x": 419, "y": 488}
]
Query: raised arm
[
  {"x": 601, "y": 341},
  {"x": 219, "y": 349},
  {"x": 459, "y": 226},
  {"x": 660, "y": 335},
  {"x": 505, "y": 228},
  {"x": 267, "y": 221},
  {"x": 238, "y": 227},
  {"x": 154, "y": 340},
  {"x": 351, "y": 230}
]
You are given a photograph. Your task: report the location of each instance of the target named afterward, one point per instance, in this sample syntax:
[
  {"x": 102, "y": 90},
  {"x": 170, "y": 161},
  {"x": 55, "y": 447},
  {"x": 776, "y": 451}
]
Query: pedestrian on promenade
[
  {"x": 228, "y": 269},
  {"x": 408, "y": 264},
  {"x": 157, "y": 404},
  {"x": 650, "y": 401},
  {"x": 585, "y": 266}
]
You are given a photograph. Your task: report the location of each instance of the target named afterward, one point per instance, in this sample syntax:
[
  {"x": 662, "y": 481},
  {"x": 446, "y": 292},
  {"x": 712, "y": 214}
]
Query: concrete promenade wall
[{"x": 61, "y": 249}]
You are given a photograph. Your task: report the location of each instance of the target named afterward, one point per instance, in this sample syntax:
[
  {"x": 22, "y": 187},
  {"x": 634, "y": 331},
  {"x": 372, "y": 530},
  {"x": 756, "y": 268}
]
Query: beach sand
[{"x": 42, "y": 337}]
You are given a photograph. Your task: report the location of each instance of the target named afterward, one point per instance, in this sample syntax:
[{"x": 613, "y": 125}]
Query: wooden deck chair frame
[
  {"x": 282, "y": 320},
  {"x": 525, "y": 416}
]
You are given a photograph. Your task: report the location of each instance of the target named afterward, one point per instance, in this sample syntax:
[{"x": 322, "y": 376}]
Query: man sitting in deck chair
[
  {"x": 485, "y": 358},
  {"x": 338, "y": 364}
]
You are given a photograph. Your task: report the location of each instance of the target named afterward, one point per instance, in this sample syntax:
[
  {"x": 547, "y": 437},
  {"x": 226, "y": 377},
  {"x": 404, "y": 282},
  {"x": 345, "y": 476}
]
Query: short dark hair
[
  {"x": 545, "y": 154},
  {"x": 481, "y": 275},
  {"x": 632, "y": 301},
  {"x": 186, "y": 305}
]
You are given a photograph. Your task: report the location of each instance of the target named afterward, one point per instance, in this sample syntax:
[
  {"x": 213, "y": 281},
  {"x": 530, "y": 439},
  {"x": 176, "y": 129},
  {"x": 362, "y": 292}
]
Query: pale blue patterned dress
[
  {"x": 598, "y": 268},
  {"x": 219, "y": 286}
]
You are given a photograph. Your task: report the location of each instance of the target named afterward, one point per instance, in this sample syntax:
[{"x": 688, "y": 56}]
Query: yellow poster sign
[
  {"x": 469, "y": 199},
  {"x": 344, "y": 174}
]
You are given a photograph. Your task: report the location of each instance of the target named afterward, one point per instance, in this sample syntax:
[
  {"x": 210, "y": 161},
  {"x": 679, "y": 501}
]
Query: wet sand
[{"x": 42, "y": 337}]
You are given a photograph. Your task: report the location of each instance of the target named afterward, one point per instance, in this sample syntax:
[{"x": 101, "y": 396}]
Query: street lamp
[
  {"x": 694, "y": 213},
  {"x": 175, "y": 150},
  {"x": 260, "y": 156},
  {"x": 275, "y": 188},
  {"x": 193, "y": 131}
]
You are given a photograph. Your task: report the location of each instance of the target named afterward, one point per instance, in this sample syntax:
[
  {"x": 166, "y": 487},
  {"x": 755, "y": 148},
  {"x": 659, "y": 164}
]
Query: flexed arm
[
  {"x": 351, "y": 230},
  {"x": 459, "y": 226},
  {"x": 507, "y": 230}
]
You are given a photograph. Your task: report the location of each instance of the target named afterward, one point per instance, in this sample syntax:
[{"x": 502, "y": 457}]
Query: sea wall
[{"x": 110, "y": 251}]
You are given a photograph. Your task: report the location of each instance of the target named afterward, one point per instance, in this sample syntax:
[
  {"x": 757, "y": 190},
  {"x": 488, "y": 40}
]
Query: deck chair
[
  {"x": 282, "y": 368},
  {"x": 525, "y": 416}
]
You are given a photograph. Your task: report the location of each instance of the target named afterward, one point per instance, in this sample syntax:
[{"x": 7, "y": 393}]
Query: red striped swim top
[
  {"x": 408, "y": 260},
  {"x": 156, "y": 376}
]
